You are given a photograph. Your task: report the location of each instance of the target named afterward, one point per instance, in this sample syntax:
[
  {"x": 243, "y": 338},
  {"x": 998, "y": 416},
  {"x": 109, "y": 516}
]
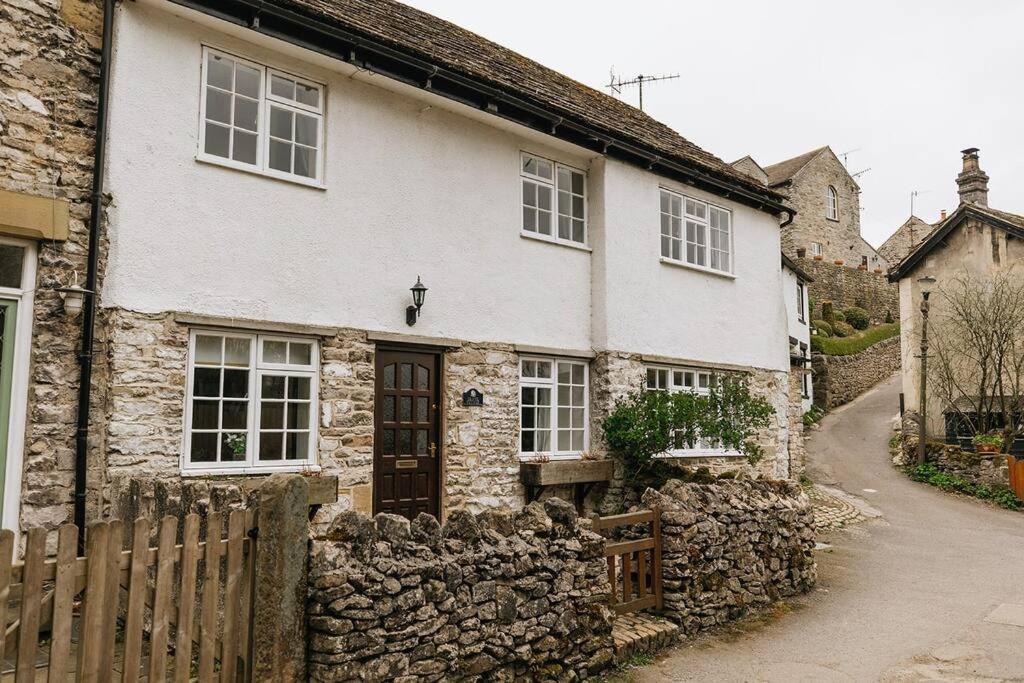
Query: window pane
[
  {"x": 528, "y": 417},
  {"x": 544, "y": 222},
  {"x": 652, "y": 379},
  {"x": 389, "y": 376},
  {"x": 218, "y": 105},
  {"x": 404, "y": 442},
  {"x": 564, "y": 227},
  {"x": 273, "y": 386},
  {"x": 218, "y": 71},
  {"x": 204, "y": 414},
  {"x": 282, "y": 87},
  {"x": 422, "y": 378},
  {"x": 422, "y": 408},
  {"x": 305, "y": 161},
  {"x": 577, "y": 231},
  {"x": 544, "y": 197},
  {"x": 204, "y": 448},
  {"x": 11, "y": 258},
  {"x": 271, "y": 445},
  {"x": 245, "y": 147},
  {"x": 245, "y": 113},
  {"x": 543, "y": 441},
  {"x": 232, "y": 447},
  {"x": 234, "y": 415},
  {"x": 307, "y": 94},
  {"x": 544, "y": 418},
  {"x": 298, "y": 387},
  {"x": 247, "y": 81},
  {"x": 388, "y": 448},
  {"x": 577, "y": 183},
  {"x": 208, "y": 349},
  {"x": 421, "y": 441},
  {"x": 529, "y": 396},
  {"x": 526, "y": 443},
  {"x": 236, "y": 383},
  {"x": 298, "y": 416},
  {"x": 206, "y": 382},
  {"x": 544, "y": 169},
  {"x": 389, "y": 409},
  {"x": 217, "y": 140},
  {"x": 564, "y": 440},
  {"x": 298, "y": 354},
  {"x": 280, "y": 156},
  {"x": 275, "y": 352},
  {"x": 236, "y": 351},
  {"x": 529, "y": 193},
  {"x": 271, "y": 415},
  {"x": 405, "y": 376},
  {"x": 405, "y": 408},
  {"x": 577, "y": 374},
  {"x": 306, "y": 130},
  {"x": 281, "y": 123}
]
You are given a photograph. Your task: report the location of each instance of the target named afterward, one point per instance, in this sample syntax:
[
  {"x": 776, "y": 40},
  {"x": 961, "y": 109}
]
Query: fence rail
[
  {"x": 1016, "y": 467},
  {"x": 132, "y": 614},
  {"x": 637, "y": 561}
]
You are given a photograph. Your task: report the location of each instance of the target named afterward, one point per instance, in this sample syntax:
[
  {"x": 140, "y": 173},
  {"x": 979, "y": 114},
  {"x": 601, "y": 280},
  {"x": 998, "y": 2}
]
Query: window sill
[
  {"x": 700, "y": 453},
  {"x": 700, "y": 269},
  {"x": 246, "y": 471},
  {"x": 529, "y": 457},
  {"x": 525, "y": 234},
  {"x": 246, "y": 168}
]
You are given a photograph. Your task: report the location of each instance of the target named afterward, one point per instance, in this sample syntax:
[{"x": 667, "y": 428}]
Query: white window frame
[
  {"x": 262, "y": 165},
  {"x": 257, "y": 369},
  {"x": 800, "y": 303},
  {"x": 552, "y": 384},
  {"x": 704, "y": 226},
  {"x": 831, "y": 204},
  {"x": 816, "y": 249},
  {"x": 672, "y": 375},
  {"x": 553, "y": 185}
]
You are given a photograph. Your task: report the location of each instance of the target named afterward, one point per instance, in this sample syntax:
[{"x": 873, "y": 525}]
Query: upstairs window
[
  {"x": 816, "y": 249},
  {"x": 695, "y": 232},
  {"x": 554, "y": 200},
  {"x": 258, "y": 119},
  {"x": 832, "y": 204},
  {"x": 800, "y": 302}
]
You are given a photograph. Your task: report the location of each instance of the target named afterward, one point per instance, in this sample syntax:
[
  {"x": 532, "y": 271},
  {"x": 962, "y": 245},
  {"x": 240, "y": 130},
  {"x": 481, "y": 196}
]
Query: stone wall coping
[
  {"x": 256, "y": 325},
  {"x": 399, "y": 338},
  {"x": 550, "y": 351}
]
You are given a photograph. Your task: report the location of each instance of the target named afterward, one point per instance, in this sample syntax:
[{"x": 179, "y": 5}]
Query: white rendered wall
[
  {"x": 801, "y": 331},
  {"x": 658, "y": 308},
  {"x": 409, "y": 192}
]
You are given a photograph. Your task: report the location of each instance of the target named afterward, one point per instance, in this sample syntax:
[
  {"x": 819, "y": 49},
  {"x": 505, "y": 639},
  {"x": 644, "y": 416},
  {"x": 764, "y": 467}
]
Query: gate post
[{"x": 279, "y": 610}]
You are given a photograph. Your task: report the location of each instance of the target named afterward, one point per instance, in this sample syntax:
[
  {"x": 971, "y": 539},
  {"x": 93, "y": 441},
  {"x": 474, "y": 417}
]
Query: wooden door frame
[{"x": 438, "y": 352}]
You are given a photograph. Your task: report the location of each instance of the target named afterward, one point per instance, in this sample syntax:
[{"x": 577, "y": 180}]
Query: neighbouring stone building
[
  {"x": 975, "y": 241},
  {"x": 253, "y": 270},
  {"x": 907, "y": 236}
]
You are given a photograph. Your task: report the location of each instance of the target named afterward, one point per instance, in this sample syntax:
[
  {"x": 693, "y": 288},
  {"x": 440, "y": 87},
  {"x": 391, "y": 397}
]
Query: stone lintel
[
  {"x": 25, "y": 215},
  {"x": 551, "y": 351},
  {"x": 201, "y": 320},
  {"x": 421, "y": 340},
  {"x": 684, "y": 362}
]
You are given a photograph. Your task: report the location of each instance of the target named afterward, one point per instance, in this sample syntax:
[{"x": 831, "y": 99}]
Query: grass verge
[{"x": 855, "y": 343}]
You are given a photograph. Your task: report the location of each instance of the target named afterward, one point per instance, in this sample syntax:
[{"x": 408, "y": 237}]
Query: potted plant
[
  {"x": 878, "y": 271},
  {"x": 862, "y": 267},
  {"x": 988, "y": 443},
  {"x": 838, "y": 262},
  {"x": 819, "y": 257}
]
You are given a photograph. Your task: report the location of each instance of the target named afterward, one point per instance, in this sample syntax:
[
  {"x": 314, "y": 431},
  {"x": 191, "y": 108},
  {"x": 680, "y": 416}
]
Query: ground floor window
[
  {"x": 692, "y": 380},
  {"x": 251, "y": 401},
  {"x": 554, "y": 404}
]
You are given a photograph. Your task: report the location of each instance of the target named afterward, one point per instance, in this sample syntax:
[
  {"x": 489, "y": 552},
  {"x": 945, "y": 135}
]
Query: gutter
[
  {"x": 342, "y": 44},
  {"x": 87, "y": 349}
]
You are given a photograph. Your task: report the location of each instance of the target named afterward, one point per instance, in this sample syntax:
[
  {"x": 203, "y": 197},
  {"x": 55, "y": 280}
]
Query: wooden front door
[{"x": 406, "y": 452}]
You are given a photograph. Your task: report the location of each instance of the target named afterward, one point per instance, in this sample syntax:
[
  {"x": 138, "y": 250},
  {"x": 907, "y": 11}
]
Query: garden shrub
[
  {"x": 888, "y": 317},
  {"x": 838, "y": 317},
  {"x": 842, "y": 329},
  {"x": 834, "y": 346},
  {"x": 1000, "y": 495},
  {"x": 858, "y": 318},
  {"x": 822, "y": 327}
]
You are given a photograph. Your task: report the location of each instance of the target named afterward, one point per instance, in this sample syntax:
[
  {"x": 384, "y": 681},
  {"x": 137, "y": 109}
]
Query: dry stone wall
[
  {"x": 845, "y": 286},
  {"x": 494, "y": 597},
  {"x": 989, "y": 469},
  {"x": 840, "y": 379},
  {"x": 732, "y": 546}
]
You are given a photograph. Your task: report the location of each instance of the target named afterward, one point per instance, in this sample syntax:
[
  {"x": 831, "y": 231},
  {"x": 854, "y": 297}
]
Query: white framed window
[
  {"x": 251, "y": 402},
  {"x": 692, "y": 380},
  {"x": 554, "y": 407},
  {"x": 832, "y": 204},
  {"x": 259, "y": 119},
  {"x": 695, "y": 232},
  {"x": 554, "y": 199},
  {"x": 800, "y": 315},
  {"x": 816, "y": 249}
]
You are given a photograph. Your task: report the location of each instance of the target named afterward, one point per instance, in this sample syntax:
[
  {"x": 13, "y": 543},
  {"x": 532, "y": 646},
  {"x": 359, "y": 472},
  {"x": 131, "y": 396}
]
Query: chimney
[
  {"x": 942, "y": 215},
  {"x": 972, "y": 181}
]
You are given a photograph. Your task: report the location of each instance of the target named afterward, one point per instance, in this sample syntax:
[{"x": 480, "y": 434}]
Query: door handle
[{"x": 433, "y": 450}]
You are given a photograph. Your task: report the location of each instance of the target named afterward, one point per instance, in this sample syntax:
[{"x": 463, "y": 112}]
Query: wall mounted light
[
  {"x": 419, "y": 293},
  {"x": 73, "y": 297}
]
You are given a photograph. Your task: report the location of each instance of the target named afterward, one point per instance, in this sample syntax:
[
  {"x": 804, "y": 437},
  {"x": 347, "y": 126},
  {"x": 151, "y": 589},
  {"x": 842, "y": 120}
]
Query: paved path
[{"x": 903, "y": 597}]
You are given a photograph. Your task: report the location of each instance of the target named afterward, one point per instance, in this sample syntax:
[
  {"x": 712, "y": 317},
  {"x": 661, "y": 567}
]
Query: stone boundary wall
[
  {"x": 840, "y": 379},
  {"x": 990, "y": 469},
  {"x": 847, "y": 286},
  {"x": 732, "y": 546},
  {"x": 498, "y": 596}
]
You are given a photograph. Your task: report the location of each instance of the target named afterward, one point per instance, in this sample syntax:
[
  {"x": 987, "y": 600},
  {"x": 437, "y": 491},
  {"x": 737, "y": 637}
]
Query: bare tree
[{"x": 977, "y": 358}]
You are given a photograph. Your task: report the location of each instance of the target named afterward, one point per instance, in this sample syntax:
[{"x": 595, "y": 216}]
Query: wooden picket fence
[
  {"x": 636, "y": 561},
  {"x": 1016, "y": 467},
  {"x": 179, "y": 609}
]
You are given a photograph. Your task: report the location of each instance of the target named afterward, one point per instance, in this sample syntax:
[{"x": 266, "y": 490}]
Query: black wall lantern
[{"x": 419, "y": 292}]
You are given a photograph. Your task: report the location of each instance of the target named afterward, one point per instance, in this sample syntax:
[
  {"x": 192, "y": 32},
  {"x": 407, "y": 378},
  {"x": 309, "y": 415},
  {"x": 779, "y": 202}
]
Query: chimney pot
[
  {"x": 972, "y": 182},
  {"x": 942, "y": 215}
]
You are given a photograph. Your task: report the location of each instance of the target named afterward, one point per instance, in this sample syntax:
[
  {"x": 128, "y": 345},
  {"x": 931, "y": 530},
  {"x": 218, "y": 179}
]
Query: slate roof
[
  {"x": 900, "y": 243},
  {"x": 784, "y": 170},
  {"x": 452, "y": 47}
]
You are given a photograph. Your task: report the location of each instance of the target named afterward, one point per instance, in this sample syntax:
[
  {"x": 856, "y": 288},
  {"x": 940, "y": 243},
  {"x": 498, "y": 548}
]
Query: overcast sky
[{"x": 907, "y": 84}]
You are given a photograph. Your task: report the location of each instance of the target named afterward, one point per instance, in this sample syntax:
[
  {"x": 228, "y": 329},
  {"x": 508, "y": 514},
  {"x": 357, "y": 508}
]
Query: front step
[{"x": 642, "y": 633}]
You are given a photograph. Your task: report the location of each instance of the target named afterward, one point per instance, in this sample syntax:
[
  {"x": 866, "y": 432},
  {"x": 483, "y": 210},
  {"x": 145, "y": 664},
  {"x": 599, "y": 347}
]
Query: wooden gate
[
  {"x": 182, "y": 610},
  {"x": 1016, "y": 475},
  {"x": 634, "y": 564}
]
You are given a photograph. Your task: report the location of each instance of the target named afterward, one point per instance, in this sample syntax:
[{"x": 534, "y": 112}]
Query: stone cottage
[
  {"x": 907, "y": 236},
  {"x": 975, "y": 240},
  {"x": 408, "y": 259}
]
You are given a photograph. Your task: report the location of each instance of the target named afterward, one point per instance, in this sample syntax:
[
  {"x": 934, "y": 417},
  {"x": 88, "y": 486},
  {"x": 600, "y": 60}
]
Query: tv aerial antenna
[
  {"x": 913, "y": 195},
  {"x": 847, "y": 153},
  {"x": 616, "y": 83},
  {"x": 860, "y": 173}
]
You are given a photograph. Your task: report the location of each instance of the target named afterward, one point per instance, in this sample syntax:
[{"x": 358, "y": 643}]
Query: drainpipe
[{"x": 85, "y": 354}]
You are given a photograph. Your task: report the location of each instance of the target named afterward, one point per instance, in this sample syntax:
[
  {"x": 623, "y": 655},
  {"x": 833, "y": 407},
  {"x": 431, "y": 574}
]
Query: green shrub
[
  {"x": 822, "y": 327},
  {"x": 813, "y": 415},
  {"x": 841, "y": 329},
  {"x": 834, "y": 346},
  {"x": 1000, "y": 495},
  {"x": 888, "y": 317},
  {"x": 838, "y": 316},
  {"x": 858, "y": 318}
]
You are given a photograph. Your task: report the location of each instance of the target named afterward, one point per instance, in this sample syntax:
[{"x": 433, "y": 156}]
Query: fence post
[{"x": 279, "y": 611}]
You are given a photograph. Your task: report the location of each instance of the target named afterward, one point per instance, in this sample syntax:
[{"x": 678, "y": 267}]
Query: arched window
[{"x": 832, "y": 209}]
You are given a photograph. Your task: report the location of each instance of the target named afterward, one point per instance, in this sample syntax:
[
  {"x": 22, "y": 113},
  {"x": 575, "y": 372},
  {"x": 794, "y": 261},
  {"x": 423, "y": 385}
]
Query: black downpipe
[{"x": 85, "y": 354}]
